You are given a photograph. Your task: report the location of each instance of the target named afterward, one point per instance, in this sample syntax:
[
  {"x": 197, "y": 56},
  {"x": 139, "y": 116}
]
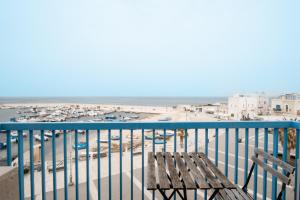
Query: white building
[
  {"x": 247, "y": 106},
  {"x": 288, "y": 104}
]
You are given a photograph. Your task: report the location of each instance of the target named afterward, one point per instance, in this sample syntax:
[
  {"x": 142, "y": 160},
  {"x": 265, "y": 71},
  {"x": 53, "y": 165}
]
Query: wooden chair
[{"x": 284, "y": 178}]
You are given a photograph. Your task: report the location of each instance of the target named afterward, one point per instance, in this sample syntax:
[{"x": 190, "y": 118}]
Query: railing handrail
[{"x": 144, "y": 125}]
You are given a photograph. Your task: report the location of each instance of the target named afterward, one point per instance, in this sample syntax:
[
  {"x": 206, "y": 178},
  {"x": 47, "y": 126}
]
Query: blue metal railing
[{"x": 209, "y": 133}]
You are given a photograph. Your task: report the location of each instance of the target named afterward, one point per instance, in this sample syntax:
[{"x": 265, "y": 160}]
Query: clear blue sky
[{"x": 148, "y": 47}]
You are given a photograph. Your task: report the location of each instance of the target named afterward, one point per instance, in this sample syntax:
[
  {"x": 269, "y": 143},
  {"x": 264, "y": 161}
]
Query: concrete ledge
[{"x": 9, "y": 185}]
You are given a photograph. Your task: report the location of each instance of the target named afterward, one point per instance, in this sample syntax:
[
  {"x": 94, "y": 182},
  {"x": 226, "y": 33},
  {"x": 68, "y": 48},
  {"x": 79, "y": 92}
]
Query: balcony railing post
[
  {"x": 143, "y": 162},
  {"x": 76, "y": 166},
  {"x": 21, "y": 164},
  {"x": 66, "y": 165},
  {"x": 31, "y": 164},
  {"x": 216, "y": 146},
  {"x": 266, "y": 132},
  {"x": 236, "y": 159},
  {"x": 54, "y": 164},
  {"x": 109, "y": 165},
  {"x": 275, "y": 154},
  {"x": 8, "y": 148},
  {"x": 255, "y": 167},
  {"x": 43, "y": 164},
  {"x": 226, "y": 152},
  {"x": 298, "y": 180},
  {"x": 87, "y": 164},
  {"x": 131, "y": 164},
  {"x": 284, "y": 154},
  {"x": 121, "y": 164},
  {"x": 98, "y": 164},
  {"x": 246, "y": 154}
]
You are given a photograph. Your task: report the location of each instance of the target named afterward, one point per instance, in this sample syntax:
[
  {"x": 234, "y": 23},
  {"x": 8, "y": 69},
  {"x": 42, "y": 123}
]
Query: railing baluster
[
  {"x": 43, "y": 164},
  {"x": 21, "y": 164},
  {"x": 196, "y": 150},
  {"x": 175, "y": 141},
  {"x": 174, "y": 149},
  {"x": 87, "y": 157},
  {"x": 226, "y": 152},
  {"x": 54, "y": 164},
  {"x": 216, "y": 146},
  {"x": 31, "y": 165},
  {"x": 76, "y": 166},
  {"x": 98, "y": 164},
  {"x": 8, "y": 148},
  {"x": 121, "y": 164},
  {"x": 297, "y": 158},
  {"x": 185, "y": 140},
  {"x": 246, "y": 154},
  {"x": 131, "y": 164},
  {"x": 109, "y": 164},
  {"x": 275, "y": 154},
  {"x": 143, "y": 173},
  {"x": 66, "y": 166},
  {"x": 255, "y": 167},
  {"x": 165, "y": 142},
  {"x": 265, "y": 161},
  {"x": 236, "y": 158},
  {"x": 206, "y": 153},
  {"x": 153, "y": 149},
  {"x": 285, "y": 142}
]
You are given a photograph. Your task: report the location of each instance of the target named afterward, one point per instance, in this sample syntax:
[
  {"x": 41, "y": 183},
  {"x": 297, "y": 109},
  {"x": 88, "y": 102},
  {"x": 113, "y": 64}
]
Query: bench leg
[
  {"x": 214, "y": 194},
  {"x": 162, "y": 192}
]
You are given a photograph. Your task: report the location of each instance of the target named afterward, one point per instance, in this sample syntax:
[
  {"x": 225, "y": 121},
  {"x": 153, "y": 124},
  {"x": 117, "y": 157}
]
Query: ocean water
[{"x": 144, "y": 101}]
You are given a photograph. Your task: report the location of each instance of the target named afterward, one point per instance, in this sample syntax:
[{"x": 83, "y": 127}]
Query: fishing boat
[
  {"x": 110, "y": 117},
  {"x": 39, "y": 138},
  {"x": 134, "y": 116},
  {"x": 168, "y": 134},
  {"x": 14, "y": 134},
  {"x": 115, "y": 137},
  {"x": 165, "y": 119},
  {"x": 50, "y": 134},
  {"x": 81, "y": 145},
  {"x": 102, "y": 141},
  {"x": 150, "y": 137},
  {"x": 81, "y": 132},
  {"x": 14, "y": 140},
  {"x": 159, "y": 141}
]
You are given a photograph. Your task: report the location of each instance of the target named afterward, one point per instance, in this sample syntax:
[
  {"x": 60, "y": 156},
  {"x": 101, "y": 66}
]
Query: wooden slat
[
  {"x": 217, "y": 172},
  {"x": 151, "y": 183},
  {"x": 224, "y": 195},
  {"x": 266, "y": 167},
  {"x": 195, "y": 172},
  {"x": 243, "y": 194},
  {"x": 230, "y": 194},
  {"x": 218, "y": 197},
  {"x": 175, "y": 180},
  {"x": 162, "y": 174},
  {"x": 211, "y": 179},
  {"x": 277, "y": 161},
  {"x": 236, "y": 193},
  {"x": 187, "y": 179}
]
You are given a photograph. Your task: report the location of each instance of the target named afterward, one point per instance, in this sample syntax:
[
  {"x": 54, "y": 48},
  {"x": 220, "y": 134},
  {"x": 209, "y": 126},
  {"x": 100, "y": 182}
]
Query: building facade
[
  {"x": 288, "y": 104},
  {"x": 246, "y": 107}
]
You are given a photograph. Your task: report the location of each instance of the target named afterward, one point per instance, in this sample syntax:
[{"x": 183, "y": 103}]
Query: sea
[{"x": 142, "y": 101}]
